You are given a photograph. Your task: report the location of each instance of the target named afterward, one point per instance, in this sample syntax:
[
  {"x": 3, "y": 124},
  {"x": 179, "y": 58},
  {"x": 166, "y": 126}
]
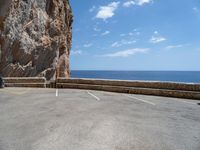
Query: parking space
[{"x": 49, "y": 119}]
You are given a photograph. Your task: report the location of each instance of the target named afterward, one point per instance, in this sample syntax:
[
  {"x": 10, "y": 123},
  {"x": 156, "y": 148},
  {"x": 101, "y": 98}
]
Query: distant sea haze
[{"x": 172, "y": 76}]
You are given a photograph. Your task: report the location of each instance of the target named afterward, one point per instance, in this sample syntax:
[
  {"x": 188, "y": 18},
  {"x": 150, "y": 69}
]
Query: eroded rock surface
[{"x": 35, "y": 38}]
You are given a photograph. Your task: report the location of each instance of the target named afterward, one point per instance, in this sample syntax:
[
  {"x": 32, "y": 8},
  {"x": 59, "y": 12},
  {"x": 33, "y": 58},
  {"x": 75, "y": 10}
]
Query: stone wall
[
  {"x": 168, "y": 89},
  {"x": 131, "y": 83},
  {"x": 35, "y": 38}
]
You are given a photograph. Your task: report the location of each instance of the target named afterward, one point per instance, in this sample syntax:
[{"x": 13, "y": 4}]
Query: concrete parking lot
[{"x": 66, "y": 119}]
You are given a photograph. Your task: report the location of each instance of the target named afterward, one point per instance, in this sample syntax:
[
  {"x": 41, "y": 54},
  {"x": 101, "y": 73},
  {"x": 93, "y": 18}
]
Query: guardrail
[{"x": 168, "y": 89}]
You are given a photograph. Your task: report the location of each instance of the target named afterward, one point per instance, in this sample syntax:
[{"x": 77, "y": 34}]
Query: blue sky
[{"x": 136, "y": 35}]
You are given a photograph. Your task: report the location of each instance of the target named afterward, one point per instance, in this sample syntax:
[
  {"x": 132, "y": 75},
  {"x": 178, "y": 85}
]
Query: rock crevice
[{"x": 35, "y": 38}]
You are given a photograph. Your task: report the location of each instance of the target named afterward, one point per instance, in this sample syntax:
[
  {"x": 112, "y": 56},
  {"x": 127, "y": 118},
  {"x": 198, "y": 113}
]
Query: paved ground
[{"x": 49, "y": 119}]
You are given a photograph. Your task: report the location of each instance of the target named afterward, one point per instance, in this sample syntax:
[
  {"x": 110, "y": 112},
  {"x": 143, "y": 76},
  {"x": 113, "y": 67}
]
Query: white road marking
[
  {"x": 56, "y": 92},
  {"x": 135, "y": 98},
  {"x": 93, "y": 96}
]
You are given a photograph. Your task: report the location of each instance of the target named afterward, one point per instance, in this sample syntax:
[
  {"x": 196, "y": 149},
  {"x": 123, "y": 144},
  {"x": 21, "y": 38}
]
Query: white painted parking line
[
  {"x": 93, "y": 96},
  {"x": 145, "y": 101},
  {"x": 56, "y": 92}
]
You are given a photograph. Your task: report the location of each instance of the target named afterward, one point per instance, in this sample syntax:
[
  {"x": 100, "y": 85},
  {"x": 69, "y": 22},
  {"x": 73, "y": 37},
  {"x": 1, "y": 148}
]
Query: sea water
[{"x": 173, "y": 76}]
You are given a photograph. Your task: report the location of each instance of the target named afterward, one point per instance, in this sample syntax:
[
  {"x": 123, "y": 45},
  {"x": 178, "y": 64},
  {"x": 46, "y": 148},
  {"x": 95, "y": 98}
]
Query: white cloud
[
  {"x": 96, "y": 29},
  {"x": 174, "y": 46},
  {"x": 155, "y": 32},
  {"x": 142, "y": 2},
  {"x": 156, "y": 38},
  {"x": 87, "y": 45},
  {"x": 134, "y": 32},
  {"x": 106, "y": 12},
  {"x": 129, "y": 3},
  {"x": 138, "y": 33},
  {"x": 92, "y": 9},
  {"x": 76, "y": 52},
  {"x": 116, "y": 44},
  {"x": 130, "y": 34},
  {"x": 196, "y": 10},
  {"x": 126, "y": 53},
  {"x": 123, "y": 42},
  {"x": 105, "y": 33}
]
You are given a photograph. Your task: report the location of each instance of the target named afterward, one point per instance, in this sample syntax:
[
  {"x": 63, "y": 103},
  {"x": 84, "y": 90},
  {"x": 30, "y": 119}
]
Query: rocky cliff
[{"x": 35, "y": 38}]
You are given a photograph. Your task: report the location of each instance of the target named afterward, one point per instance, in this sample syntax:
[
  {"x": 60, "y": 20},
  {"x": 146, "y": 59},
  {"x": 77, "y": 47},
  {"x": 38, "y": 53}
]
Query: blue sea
[{"x": 173, "y": 76}]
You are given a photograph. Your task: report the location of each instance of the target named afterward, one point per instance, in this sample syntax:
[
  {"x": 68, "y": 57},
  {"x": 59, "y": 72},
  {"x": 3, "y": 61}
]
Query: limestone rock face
[{"x": 35, "y": 38}]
